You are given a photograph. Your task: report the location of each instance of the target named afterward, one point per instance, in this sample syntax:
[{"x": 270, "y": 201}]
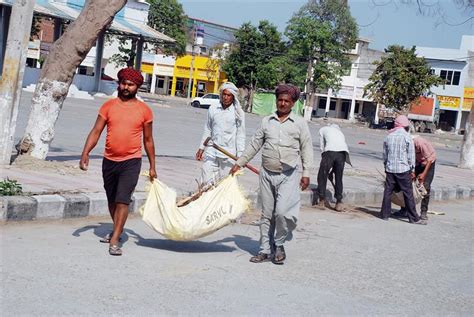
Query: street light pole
[{"x": 190, "y": 83}]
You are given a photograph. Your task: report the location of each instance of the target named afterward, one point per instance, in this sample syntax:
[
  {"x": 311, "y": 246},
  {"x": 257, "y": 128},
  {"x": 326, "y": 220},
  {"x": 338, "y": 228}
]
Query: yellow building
[{"x": 206, "y": 76}]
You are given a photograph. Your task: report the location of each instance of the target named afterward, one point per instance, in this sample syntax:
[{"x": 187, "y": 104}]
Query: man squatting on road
[
  {"x": 285, "y": 138},
  {"x": 127, "y": 120},
  {"x": 225, "y": 125},
  {"x": 425, "y": 155},
  {"x": 334, "y": 155},
  {"x": 399, "y": 162}
]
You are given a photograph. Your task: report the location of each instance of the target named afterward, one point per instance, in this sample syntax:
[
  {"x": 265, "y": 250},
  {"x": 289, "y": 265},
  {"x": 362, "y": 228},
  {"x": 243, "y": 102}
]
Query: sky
[{"x": 383, "y": 22}]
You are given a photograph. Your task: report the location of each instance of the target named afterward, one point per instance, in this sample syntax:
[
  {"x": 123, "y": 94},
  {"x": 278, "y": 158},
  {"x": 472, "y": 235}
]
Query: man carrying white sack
[
  {"x": 225, "y": 126},
  {"x": 285, "y": 140}
]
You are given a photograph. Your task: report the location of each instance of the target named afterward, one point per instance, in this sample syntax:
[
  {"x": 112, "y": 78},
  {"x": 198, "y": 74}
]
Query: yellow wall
[
  {"x": 205, "y": 69},
  {"x": 147, "y": 68}
]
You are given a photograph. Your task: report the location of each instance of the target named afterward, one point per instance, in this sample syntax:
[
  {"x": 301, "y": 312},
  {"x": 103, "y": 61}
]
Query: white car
[{"x": 205, "y": 101}]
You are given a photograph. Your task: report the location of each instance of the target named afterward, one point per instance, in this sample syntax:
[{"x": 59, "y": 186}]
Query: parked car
[{"x": 205, "y": 101}]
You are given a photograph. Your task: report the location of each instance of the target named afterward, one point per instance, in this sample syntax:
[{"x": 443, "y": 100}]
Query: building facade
[
  {"x": 348, "y": 102},
  {"x": 455, "y": 66},
  {"x": 198, "y": 72}
]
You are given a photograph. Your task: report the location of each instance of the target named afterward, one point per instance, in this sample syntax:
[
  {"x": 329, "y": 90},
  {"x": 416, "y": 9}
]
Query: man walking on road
[
  {"x": 285, "y": 139},
  {"x": 424, "y": 170},
  {"x": 399, "y": 162},
  {"x": 127, "y": 120},
  {"x": 225, "y": 126},
  {"x": 334, "y": 155}
]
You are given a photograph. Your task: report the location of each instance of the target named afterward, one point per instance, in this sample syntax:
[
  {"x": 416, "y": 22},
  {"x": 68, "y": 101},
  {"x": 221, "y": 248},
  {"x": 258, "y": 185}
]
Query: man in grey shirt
[{"x": 285, "y": 139}]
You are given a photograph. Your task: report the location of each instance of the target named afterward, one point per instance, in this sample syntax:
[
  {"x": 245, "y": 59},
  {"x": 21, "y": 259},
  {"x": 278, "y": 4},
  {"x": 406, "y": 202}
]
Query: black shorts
[{"x": 120, "y": 179}]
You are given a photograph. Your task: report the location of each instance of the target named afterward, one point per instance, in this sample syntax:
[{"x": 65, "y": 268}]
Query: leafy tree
[
  {"x": 259, "y": 57},
  {"x": 400, "y": 78},
  {"x": 320, "y": 33},
  {"x": 167, "y": 17},
  {"x": 127, "y": 51}
]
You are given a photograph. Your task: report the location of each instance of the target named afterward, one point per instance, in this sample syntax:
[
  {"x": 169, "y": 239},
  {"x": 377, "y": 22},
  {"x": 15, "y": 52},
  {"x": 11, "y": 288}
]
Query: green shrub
[{"x": 10, "y": 187}]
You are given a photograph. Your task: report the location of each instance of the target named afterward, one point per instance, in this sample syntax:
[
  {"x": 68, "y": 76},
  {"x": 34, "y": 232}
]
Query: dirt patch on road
[{"x": 27, "y": 162}]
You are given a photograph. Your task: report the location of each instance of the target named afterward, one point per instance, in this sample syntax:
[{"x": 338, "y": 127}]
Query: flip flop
[
  {"x": 107, "y": 238},
  {"x": 115, "y": 250}
]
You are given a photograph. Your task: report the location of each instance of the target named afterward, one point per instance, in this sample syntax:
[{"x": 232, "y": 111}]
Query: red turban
[
  {"x": 130, "y": 74},
  {"x": 292, "y": 91}
]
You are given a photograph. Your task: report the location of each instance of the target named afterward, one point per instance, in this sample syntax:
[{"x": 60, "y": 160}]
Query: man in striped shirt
[{"x": 399, "y": 162}]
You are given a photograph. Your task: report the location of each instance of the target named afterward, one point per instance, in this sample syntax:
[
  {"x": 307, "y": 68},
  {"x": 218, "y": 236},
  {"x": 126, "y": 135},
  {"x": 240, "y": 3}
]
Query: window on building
[
  {"x": 432, "y": 71},
  {"x": 332, "y": 105},
  {"x": 82, "y": 70},
  {"x": 161, "y": 82},
  {"x": 450, "y": 76},
  {"x": 31, "y": 62},
  {"x": 456, "y": 77}
]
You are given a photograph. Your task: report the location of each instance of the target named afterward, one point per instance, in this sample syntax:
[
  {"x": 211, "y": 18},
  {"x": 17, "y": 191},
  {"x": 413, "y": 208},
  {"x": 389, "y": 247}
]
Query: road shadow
[
  {"x": 374, "y": 211},
  {"x": 185, "y": 246},
  {"x": 244, "y": 243},
  {"x": 102, "y": 229}
]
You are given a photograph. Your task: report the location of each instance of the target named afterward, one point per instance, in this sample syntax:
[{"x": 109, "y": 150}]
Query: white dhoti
[
  {"x": 215, "y": 168},
  {"x": 280, "y": 196}
]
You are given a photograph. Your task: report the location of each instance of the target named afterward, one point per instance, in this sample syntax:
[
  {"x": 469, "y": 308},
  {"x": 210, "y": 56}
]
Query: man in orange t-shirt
[{"x": 127, "y": 120}]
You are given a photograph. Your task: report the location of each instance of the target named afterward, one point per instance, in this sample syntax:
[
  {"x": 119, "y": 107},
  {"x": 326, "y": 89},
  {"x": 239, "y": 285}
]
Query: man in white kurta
[
  {"x": 225, "y": 125},
  {"x": 285, "y": 140}
]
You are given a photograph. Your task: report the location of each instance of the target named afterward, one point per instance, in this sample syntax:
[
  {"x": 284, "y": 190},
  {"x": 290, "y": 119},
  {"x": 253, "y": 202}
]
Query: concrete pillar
[
  {"x": 13, "y": 71},
  {"x": 194, "y": 88},
  {"x": 4, "y": 21},
  {"x": 58, "y": 28},
  {"x": 153, "y": 83},
  {"x": 139, "y": 56},
  {"x": 376, "y": 119},
  {"x": 99, "y": 53},
  {"x": 352, "y": 109},
  {"x": 328, "y": 103},
  {"x": 338, "y": 107},
  {"x": 173, "y": 86},
  {"x": 459, "y": 115}
]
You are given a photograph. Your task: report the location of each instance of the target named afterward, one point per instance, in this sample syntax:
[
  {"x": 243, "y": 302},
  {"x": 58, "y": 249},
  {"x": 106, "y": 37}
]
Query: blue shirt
[{"x": 398, "y": 152}]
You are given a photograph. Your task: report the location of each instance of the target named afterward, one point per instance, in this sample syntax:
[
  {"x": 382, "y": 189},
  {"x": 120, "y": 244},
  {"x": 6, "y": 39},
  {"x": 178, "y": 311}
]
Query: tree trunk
[
  {"x": 467, "y": 150},
  {"x": 58, "y": 72}
]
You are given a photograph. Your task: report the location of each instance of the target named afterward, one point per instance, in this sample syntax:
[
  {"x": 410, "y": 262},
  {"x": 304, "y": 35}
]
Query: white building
[
  {"x": 454, "y": 98},
  {"x": 349, "y": 101}
]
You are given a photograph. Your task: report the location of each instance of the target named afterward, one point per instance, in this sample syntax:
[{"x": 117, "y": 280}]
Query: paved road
[
  {"x": 178, "y": 129},
  {"x": 339, "y": 264}
]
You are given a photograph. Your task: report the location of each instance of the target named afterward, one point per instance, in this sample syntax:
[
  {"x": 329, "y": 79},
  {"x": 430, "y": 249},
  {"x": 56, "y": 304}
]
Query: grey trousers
[
  {"x": 215, "y": 168},
  {"x": 280, "y": 197}
]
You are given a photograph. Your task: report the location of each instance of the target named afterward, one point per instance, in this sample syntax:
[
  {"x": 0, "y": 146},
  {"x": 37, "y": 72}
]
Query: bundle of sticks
[{"x": 202, "y": 189}]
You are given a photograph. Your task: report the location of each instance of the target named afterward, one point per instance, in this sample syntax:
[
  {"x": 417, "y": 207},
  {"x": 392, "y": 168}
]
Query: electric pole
[
  {"x": 191, "y": 80},
  {"x": 12, "y": 75}
]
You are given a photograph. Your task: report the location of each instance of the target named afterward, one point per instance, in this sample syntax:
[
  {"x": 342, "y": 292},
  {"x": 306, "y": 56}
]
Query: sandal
[
  {"x": 115, "y": 250},
  {"x": 260, "y": 258},
  {"x": 107, "y": 238},
  {"x": 280, "y": 255}
]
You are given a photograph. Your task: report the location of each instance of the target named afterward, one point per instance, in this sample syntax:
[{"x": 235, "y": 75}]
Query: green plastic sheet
[{"x": 264, "y": 104}]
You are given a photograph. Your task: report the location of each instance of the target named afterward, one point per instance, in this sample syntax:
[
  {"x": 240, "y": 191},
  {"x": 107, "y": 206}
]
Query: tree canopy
[
  {"x": 167, "y": 17},
  {"x": 400, "y": 78},
  {"x": 259, "y": 58},
  {"x": 321, "y": 32}
]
